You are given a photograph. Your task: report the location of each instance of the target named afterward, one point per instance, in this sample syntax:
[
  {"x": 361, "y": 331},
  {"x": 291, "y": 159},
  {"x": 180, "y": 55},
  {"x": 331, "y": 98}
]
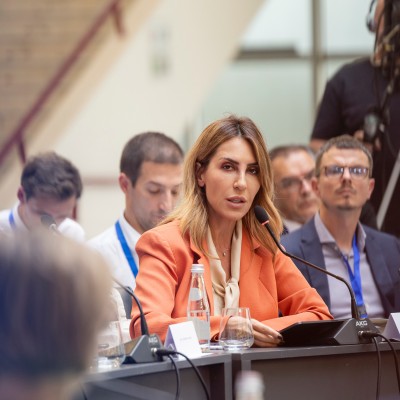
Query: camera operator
[{"x": 363, "y": 99}]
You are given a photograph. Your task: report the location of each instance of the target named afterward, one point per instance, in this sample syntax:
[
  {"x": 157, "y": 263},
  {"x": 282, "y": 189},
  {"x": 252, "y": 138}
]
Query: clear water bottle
[{"x": 198, "y": 309}]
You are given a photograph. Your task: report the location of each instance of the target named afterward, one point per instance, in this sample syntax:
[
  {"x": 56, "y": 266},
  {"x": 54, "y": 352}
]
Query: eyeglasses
[
  {"x": 294, "y": 183},
  {"x": 337, "y": 171}
]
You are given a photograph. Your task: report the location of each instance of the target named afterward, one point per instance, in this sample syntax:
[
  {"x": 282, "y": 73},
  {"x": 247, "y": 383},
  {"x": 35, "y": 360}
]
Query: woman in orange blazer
[{"x": 226, "y": 173}]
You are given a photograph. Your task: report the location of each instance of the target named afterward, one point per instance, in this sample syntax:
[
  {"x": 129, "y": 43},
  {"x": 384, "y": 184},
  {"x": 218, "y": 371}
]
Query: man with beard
[{"x": 335, "y": 239}]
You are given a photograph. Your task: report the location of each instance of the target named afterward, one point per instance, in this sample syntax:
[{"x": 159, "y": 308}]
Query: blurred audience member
[
  {"x": 53, "y": 302},
  {"x": 334, "y": 239},
  {"x": 50, "y": 185},
  {"x": 293, "y": 167}
]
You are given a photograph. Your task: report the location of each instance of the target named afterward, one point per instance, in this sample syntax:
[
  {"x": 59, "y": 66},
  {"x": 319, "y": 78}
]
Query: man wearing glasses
[
  {"x": 335, "y": 239},
  {"x": 294, "y": 168}
]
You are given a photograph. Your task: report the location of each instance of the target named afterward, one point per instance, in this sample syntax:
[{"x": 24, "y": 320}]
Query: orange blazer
[{"x": 268, "y": 283}]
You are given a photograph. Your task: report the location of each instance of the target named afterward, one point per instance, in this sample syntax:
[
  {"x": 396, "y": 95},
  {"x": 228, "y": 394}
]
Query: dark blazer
[{"x": 383, "y": 255}]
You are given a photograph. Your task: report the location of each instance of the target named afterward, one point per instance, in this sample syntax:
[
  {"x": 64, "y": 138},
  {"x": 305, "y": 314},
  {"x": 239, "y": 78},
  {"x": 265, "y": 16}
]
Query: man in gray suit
[{"x": 335, "y": 240}]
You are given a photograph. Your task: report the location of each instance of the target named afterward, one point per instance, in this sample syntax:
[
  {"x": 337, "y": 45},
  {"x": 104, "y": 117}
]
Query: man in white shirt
[
  {"x": 150, "y": 178},
  {"x": 50, "y": 185},
  {"x": 294, "y": 167}
]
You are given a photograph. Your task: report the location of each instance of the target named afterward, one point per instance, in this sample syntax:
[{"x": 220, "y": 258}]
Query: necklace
[{"x": 225, "y": 252}]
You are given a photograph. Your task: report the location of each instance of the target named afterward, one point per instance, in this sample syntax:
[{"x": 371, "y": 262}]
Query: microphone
[
  {"x": 350, "y": 331},
  {"x": 263, "y": 219},
  {"x": 49, "y": 222},
  {"x": 143, "y": 323},
  {"x": 370, "y": 20},
  {"x": 142, "y": 349},
  {"x": 373, "y": 124}
]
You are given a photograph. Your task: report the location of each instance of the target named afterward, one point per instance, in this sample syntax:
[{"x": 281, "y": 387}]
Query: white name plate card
[
  {"x": 392, "y": 328},
  {"x": 182, "y": 337}
]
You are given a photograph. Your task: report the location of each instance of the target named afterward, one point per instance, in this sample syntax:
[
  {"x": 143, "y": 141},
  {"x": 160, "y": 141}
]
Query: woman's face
[{"x": 231, "y": 181}]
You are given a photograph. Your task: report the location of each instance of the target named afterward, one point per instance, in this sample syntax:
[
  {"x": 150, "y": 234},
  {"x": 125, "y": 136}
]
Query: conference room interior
[
  {"x": 260, "y": 67},
  {"x": 175, "y": 66}
]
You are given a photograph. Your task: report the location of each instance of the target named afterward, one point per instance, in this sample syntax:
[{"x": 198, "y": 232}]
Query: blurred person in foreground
[
  {"x": 50, "y": 185},
  {"x": 293, "y": 167},
  {"x": 335, "y": 239},
  {"x": 150, "y": 178},
  {"x": 53, "y": 302},
  {"x": 226, "y": 173}
]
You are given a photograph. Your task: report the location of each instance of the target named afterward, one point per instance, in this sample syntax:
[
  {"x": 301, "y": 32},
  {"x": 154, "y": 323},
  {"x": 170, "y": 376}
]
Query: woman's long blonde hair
[{"x": 192, "y": 212}]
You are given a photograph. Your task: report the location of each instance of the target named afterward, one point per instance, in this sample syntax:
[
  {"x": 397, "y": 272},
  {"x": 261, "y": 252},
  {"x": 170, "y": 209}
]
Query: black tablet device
[{"x": 311, "y": 333}]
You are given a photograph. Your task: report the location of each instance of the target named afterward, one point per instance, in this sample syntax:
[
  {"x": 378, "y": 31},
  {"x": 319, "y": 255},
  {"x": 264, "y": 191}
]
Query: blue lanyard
[
  {"x": 126, "y": 249},
  {"x": 11, "y": 220},
  {"x": 355, "y": 278}
]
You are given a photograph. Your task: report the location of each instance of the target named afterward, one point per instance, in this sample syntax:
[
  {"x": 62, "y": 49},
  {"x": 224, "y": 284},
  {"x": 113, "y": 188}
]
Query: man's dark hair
[
  {"x": 286, "y": 150},
  {"x": 342, "y": 142},
  {"x": 49, "y": 174},
  {"x": 148, "y": 146}
]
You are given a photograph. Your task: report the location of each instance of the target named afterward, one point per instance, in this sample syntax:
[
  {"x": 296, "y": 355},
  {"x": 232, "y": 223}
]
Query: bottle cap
[{"x": 197, "y": 268}]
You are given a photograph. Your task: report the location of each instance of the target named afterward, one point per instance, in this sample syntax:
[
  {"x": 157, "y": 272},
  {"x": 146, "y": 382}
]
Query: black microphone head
[
  {"x": 47, "y": 220},
  {"x": 261, "y": 215}
]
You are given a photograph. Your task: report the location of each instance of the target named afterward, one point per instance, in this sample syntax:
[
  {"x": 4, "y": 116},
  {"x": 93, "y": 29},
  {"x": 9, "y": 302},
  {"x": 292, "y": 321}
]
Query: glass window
[
  {"x": 272, "y": 28},
  {"x": 344, "y": 28},
  {"x": 278, "y": 92},
  {"x": 274, "y": 94}
]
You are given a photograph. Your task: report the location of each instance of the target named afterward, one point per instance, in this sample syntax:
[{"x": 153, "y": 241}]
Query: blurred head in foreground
[{"x": 54, "y": 296}]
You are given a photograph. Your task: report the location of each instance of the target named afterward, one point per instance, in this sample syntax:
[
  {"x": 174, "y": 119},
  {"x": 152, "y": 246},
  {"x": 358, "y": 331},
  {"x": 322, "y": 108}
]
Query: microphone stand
[
  {"x": 354, "y": 309},
  {"x": 141, "y": 349},
  {"x": 350, "y": 331},
  {"x": 143, "y": 323}
]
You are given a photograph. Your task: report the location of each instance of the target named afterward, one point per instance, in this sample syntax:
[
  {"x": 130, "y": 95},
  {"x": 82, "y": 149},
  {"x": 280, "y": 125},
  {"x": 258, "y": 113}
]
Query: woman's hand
[{"x": 264, "y": 336}]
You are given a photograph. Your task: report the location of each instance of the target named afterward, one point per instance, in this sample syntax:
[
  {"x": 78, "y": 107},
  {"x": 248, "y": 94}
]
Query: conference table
[
  {"x": 157, "y": 381},
  {"x": 328, "y": 372},
  {"x": 324, "y": 372}
]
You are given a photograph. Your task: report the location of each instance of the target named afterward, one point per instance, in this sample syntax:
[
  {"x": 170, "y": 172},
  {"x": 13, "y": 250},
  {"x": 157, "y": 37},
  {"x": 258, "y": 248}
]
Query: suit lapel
[
  {"x": 249, "y": 260},
  {"x": 378, "y": 265}
]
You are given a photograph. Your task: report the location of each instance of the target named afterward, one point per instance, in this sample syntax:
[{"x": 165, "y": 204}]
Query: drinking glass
[
  {"x": 110, "y": 347},
  {"x": 236, "y": 330}
]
